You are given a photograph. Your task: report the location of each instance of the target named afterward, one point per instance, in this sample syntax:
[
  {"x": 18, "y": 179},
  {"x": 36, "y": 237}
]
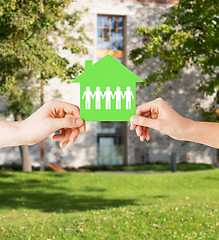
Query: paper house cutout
[{"x": 107, "y": 91}]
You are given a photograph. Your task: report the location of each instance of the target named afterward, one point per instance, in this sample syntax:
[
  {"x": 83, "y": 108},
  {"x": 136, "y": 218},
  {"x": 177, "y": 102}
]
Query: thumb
[
  {"x": 145, "y": 122},
  {"x": 67, "y": 122}
]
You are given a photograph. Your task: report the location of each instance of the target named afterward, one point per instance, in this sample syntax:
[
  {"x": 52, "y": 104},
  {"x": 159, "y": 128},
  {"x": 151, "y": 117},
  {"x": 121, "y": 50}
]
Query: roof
[{"x": 109, "y": 69}]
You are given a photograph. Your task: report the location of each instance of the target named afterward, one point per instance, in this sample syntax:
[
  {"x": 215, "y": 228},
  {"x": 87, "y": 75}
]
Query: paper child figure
[
  {"x": 97, "y": 95},
  {"x": 108, "y": 95},
  {"x": 118, "y": 94},
  {"x": 87, "y": 95},
  {"x": 129, "y": 96}
]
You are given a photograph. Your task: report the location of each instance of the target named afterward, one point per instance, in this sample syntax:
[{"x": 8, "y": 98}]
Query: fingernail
[
  {"x": 79, "y": 122},
  {"x": 82, "y": 129},
  {"x": 133, "y": 119},
  {"x": 64, "y": 144}
]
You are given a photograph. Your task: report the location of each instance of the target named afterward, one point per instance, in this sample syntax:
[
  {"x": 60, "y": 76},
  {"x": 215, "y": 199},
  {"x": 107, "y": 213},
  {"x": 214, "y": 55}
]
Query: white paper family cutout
[{"x": 108, "y": 96}]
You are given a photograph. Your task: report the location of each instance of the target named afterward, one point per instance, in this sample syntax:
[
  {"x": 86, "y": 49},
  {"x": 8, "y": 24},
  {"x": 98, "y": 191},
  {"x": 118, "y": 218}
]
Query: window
[
  {"x": 110, "y": 37},
  {"x": 111, "y": 136}
]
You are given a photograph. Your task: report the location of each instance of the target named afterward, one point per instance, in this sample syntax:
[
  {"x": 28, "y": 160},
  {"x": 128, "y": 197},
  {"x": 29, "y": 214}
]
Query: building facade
[{"x": 111, "y": 25}]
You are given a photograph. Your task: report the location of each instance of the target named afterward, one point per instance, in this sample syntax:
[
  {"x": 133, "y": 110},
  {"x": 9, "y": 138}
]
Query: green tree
[
  {"x": 189, "y": 36},
  {"x": 32, "y": 33}
]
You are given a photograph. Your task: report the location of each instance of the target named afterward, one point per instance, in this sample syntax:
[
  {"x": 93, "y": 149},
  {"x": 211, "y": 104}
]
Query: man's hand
[{"x": 52, "y": 116}]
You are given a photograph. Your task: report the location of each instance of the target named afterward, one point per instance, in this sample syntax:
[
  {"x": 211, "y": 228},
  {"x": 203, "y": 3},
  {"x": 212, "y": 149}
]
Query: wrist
[
  {"x": 18, "y": 135},
  {"x": 11, "y": 132},
  {"x": 187, "y": 131}
]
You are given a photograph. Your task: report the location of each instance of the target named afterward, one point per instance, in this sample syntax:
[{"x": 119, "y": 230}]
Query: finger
[
  {"x": 142, "y": 138},
  {"x": 74, "y": 135},
  {"x": 62, "y": 144},
  {"x": 65, "y": 140},
  {"x": 58, "y": 137},
  {"x": 67, "y": 107},
  {"x": 139, "y": 131},
  {"x": 146, "y": 114},
  {"x": 83, "y": 128},
  {"x": 67, "y": 122},
  {"x": 147, "y": 134},
  {"x": 143, "y": 109},
  {"x": 133, "y": 126},
  {"x": 146, "y": 107},
  {"x": 145, "y": 122},
  {"x": 145, "y": 131}
]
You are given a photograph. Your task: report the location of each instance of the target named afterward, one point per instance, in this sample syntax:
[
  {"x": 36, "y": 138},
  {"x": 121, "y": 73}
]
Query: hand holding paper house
[{"x": 107, "y": 91}]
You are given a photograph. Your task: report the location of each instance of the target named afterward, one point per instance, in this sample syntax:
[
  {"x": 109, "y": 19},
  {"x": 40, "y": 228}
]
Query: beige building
[{"x": 110, "y": 24}]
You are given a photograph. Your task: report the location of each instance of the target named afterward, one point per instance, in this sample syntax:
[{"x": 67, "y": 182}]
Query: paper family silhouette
[
  {"x": 107, "y": 91},
  {"x": 108, "y": 96}
]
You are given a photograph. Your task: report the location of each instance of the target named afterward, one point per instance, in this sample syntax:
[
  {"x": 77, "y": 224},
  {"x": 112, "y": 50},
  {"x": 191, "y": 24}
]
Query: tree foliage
[
  {"x": 31, "y": 35},
  {"x": 189, "y": 36}
]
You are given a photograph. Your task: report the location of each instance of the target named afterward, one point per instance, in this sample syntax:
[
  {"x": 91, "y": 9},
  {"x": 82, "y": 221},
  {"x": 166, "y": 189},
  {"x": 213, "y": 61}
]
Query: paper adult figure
[
  {"x": 129, "y": 96},
  {"x": 118, "y": 95},
  {"x": 87, "y": 95},
  {"x": 108, "y": 96},
  {"x": 97, "y": 95}
]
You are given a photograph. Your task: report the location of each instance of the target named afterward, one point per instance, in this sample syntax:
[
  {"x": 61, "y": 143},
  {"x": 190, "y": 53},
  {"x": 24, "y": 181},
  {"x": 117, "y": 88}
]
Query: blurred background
[{"x": 44, "y": 46}]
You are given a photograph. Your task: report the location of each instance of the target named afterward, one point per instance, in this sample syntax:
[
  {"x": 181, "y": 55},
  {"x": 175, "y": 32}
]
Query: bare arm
[
  {"x": 203, "y": 132},
  {"x": 10, "y": 133},
  {"x": 159, "y": 115},
  {"x": 52, "y": 116}
]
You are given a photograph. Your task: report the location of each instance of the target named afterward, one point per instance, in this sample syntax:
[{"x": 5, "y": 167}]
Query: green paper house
[{"x": 107, "y": 91}]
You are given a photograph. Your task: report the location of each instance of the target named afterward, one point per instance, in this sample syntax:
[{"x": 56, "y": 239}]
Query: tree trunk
[{"x": 25, "y": 156}]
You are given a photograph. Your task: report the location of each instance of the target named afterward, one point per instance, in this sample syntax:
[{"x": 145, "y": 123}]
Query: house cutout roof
[{"x": 107, "y": 69}]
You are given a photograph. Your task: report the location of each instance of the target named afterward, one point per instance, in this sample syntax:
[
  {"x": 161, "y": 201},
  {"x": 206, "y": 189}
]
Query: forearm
[
  {"x": 203, "y": 132},
  {"x": 10, "y": 133}
]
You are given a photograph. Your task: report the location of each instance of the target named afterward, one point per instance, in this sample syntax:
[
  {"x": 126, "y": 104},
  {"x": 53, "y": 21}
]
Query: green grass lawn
[
  {"x": 109, "y": 206},
  {"x": 151, "y": 167},
  {"x": 183, "y": 166}
]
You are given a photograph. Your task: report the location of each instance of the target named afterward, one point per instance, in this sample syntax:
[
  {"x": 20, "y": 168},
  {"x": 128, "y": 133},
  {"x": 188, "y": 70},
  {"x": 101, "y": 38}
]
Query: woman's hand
[{"x": 158, "y": 115}]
